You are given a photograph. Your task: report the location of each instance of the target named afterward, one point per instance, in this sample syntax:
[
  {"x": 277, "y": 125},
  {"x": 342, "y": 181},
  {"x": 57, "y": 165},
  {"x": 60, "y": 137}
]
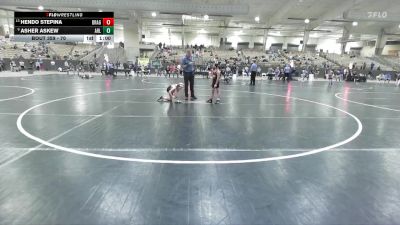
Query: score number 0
[
  {"x": 108, "y": 25},
  {"x": 108, "y": 21}
]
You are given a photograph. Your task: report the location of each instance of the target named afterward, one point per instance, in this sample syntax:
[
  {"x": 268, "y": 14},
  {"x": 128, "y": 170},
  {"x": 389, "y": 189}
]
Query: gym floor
[{"x": 104, "y": 151}]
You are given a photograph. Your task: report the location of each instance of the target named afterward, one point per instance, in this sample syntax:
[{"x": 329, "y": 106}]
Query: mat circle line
[
  {"x": 337, "y": 95},
  {"x": 21, "y": 96},
  {"x": 186, "y": 162}
]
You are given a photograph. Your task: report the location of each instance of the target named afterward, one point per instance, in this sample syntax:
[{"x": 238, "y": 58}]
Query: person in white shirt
[
  {"x": 37, "y": 65},
  {"x": 12, "y": 65},
  {"x": 66, "y": 64},
  {"x": 22, "y": 65},
  {"x": 258, "y": 71},
  {"x": 398, "y": 79},
  {"x": 228, "y": 70}
]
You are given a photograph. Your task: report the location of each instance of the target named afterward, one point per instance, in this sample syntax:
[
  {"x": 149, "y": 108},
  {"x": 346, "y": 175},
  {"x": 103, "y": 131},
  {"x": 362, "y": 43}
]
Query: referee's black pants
[{"x": 253, "y": 78}]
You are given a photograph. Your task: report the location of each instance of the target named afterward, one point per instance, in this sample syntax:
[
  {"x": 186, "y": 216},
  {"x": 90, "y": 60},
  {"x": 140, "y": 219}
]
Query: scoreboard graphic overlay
[{"x": 86, "y": 27}]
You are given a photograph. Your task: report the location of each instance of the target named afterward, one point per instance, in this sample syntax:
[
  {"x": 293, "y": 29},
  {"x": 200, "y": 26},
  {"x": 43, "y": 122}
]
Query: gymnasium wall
[
  {"x": 391, "y": 50},
  {"x": 353, "y": 45},
  {"x": 174, "y": 39},
  {"x": 368, "y": 51},
  {"x": 327, "y": 45},
  {"x": 235, "y": 39}
]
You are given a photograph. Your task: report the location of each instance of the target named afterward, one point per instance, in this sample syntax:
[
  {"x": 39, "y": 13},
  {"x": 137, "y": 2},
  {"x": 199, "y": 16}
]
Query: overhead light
[
  {"x": 399, "y": 25},
  {"x": 206, "y": 17},
  {"x": 202, "y": 31},
  {"x": 153, "y": 14},
  {"x": 100, "y": 10},
  {"x": 257, "y": 19},
  {"x": 307, "y": 21},
  {"x": 40, "y": 7},
  {"x": 355, "y": 23}
]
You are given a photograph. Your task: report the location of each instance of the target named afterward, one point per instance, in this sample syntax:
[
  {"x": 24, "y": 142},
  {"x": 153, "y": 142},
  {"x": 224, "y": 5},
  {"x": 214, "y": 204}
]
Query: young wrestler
[
  {"x": 172, "y": 91},
  {"x": 215, "y": 75}
]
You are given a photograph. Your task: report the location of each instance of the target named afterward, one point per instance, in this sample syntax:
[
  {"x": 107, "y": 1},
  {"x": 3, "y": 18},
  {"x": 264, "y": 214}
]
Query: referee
[
  {"x": 188, "y": 75},
  {"x": 253, "y": 71}
]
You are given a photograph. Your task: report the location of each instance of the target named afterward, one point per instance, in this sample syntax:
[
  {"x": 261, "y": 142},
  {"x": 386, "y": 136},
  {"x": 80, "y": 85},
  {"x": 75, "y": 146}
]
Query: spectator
[
  {"x": 277, "y": 73},
  {"x": 388, "y": 77},
  {"x": 66, "y": 65},
  {"x": 228, "y": 70},
  {"x": 167, "y": 68},
  {"x": 259, "y": 71},
  {"x": 110, "y": 67},
  {"x": 21, "y": 65},
  {"x": 172, "y": 70},
  {"x": 1, "y": 65},
  {"x": 287, "y": 71},
  {"x": 37, "y": 65},
  {"x": 330, "y": 77},
  {"x": 13, "y": 66},
  {"x": 179, "y": 70},
  {"x": 398, "y": 79}
]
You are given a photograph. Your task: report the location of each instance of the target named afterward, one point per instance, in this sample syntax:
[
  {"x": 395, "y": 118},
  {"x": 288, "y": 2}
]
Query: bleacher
[
  {"x": 264, "y": 60},
  {"x": 19, "y": 49},
  {"x": 392, "y": 61},
  {"x": 207, "y": 54},
  {"x": 113, "y": 55},
  {"x": 225, "y": 54},
  {"x": 307, "y": 58},
  {"x": 81, "y": 50},
  {"x": 61, "y": 51},
  {"x": 358, "y": 61},
  {"x": 96, "y": 52},
  {"x": 253, "y": 53},
  {"x": 169, "y": 55},
  {"x": 86, "y": 52}
]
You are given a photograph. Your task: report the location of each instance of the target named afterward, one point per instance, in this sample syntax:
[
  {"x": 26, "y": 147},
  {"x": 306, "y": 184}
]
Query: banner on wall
[
  {"x": 143, "y": 61},
  {"x": 155, "y": 64}
]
